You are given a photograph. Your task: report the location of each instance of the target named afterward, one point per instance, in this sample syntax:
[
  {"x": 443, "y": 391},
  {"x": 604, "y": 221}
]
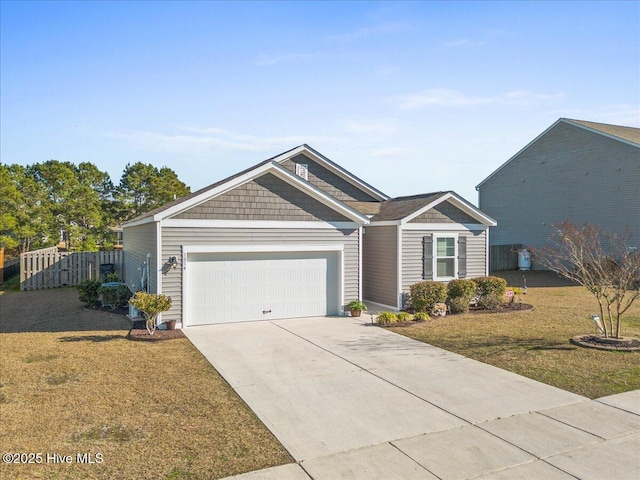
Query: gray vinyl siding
[
  {"x": 379, "y": 268},
  {"x": 444, "y": 213},
  {"x": 138, "y": 241},
  {"x": 265, "y": 198},
  {"x": 173, "y": 238},
  {"x": 412, "y": 254},
  {"x": 567, "y": 174},
  {"x": 328, "y": 181}
]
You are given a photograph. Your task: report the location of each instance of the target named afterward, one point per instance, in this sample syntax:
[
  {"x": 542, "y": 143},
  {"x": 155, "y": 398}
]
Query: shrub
[
  {"x": 89, "y": 294},
  {"x": 151, "y": 305},
  {"x": 461, "y": 292},
  {"x": 490, "y": 291},
  {"x": 112, "y": 277},
  {"x": 461, "y": 288},
  {"x": 459, "y": 305},
  {"x": 424, "y": 295},
  {"x": 404, "y": 317},
  {"x": 489, "y": 302},
  {"x": 115, "y": 297},
  {"x": 421, "y": 317},
  {"x": 491, "y": 286},
  {"x": 385, "y": 319}
]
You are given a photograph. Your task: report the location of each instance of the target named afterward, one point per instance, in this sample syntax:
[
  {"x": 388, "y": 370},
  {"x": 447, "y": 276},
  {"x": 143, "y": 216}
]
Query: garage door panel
[{"x": 232, "y": 287}]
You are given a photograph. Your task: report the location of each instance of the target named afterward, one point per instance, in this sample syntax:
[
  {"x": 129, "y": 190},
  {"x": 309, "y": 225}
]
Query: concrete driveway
[{"x": 349, "y": 400}]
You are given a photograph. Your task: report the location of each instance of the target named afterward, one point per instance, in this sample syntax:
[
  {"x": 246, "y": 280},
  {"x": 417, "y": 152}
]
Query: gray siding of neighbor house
[
  {"x": 412, "y": 254},
  {"x": 379, "y": 269},
  {"x": 265, "y": 198},
  {"x": 328, "y": 181},
  {"x": 567, "y": 174},
  {"x": 138, "y": 241},
  {"x": 444, "y": 213},
  {"x": 174, "y": 238}
]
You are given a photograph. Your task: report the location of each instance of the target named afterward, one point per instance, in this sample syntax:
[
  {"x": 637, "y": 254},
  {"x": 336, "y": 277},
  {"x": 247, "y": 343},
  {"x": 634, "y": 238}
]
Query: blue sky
[{"x": 412, "y": 97}]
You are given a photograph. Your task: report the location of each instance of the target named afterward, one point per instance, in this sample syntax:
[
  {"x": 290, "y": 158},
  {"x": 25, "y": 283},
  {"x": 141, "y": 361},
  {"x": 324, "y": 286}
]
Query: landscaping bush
[
  {"x": 115, "y": 297},
  {"x": 459, "y": 305},
  {"x": 112, "y": 277},
  {"x": 489, "y": 302},
  {"x": 404, "y": 317},
  {"x": 421, "y": 317},
  {"x": 385, "y": 319},
  {"x": 491, "y": 286},
  {"x": 490, "y": 291},
  {"x": 89, "y": 292},
  {"x": 461, "y": 292},
  {"x": 424, "y": 295}
]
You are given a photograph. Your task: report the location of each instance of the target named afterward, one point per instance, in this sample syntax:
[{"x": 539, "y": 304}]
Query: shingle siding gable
[
  {"x": 328, "y": 181},
  {"x": 264, "y": 198},
  {"x": 444, "y": 213}
]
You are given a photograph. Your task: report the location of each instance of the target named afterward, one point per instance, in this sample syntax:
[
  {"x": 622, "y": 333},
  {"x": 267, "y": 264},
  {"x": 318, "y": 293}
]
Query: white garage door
[{"x": 237, "y": 287}]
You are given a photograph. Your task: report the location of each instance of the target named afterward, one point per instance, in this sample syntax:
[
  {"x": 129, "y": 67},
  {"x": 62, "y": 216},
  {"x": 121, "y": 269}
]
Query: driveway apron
[{"x": 351, "y": 400}]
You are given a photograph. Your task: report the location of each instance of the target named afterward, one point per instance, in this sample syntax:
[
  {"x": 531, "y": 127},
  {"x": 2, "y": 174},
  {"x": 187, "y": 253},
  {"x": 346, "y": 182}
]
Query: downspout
[
  {"x": 399, "y": 266},
  {"x": 360, "y": 275}
]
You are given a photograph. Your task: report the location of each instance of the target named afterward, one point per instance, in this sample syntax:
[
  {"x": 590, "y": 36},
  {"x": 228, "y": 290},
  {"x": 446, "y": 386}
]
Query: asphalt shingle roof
[
  {"x": 631, "y": 134},
  {"x": 400, "y": 207}
]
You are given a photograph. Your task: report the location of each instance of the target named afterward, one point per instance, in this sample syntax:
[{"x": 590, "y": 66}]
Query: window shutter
[
  {"x": 427, "y": 257},
  {"x": 462, "y": 256}
]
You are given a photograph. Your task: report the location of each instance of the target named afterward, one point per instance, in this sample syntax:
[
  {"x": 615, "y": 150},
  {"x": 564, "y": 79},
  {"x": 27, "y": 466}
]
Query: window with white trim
[{"x": 445, "y": 256}]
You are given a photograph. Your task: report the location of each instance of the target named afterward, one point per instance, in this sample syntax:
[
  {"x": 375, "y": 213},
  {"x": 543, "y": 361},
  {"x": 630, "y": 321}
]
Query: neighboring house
[
  {"x": 284, "y": 239},
  {"x": 575, "y": 170}
]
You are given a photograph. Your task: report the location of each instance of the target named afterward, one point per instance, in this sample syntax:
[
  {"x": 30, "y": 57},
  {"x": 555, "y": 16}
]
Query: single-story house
[
  {"x": 286, "y": 238},
  {"x": 580, "y": 171}
]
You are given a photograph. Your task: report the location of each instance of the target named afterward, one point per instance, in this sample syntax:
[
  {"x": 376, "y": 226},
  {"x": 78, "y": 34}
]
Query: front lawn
[
  {"x": 155, "y": 410},
  {"x": 536, "y": 343}
]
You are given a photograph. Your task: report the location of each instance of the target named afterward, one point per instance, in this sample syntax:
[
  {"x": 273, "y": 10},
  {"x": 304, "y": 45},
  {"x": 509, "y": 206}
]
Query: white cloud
[
  {"x": 198, "y": 140},
  {"x": 444, "y": 97}
]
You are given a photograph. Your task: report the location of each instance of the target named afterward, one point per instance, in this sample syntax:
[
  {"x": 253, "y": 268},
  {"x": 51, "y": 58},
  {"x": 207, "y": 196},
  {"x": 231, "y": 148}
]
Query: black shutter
[
  {"x": 427, "y": 257},
  {"x": 462, "y": 256}
]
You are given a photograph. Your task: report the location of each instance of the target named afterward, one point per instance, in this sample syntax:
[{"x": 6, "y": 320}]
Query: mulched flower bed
[
  {"x": 139, "y": 332},
  {"x": 623, "y": 344}
]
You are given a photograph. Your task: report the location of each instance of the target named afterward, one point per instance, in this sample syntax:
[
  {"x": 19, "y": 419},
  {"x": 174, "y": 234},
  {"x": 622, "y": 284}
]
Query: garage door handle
[{"x": 266, "y": 311}]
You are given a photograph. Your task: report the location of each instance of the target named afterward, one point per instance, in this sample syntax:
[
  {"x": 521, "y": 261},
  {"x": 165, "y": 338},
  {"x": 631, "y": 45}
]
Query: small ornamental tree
[
  {"x": 601, "y": 262},
  {"x": 151, "y": 305}
]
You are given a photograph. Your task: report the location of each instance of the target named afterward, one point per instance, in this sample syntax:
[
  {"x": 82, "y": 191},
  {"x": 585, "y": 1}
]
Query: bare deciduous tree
[{"x": 600, "y": 261}]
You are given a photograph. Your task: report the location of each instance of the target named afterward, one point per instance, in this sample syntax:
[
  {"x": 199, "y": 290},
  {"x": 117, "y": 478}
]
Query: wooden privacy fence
[
  {"x": 503, "y": 257},
  {"x": 51, "y": 268}
]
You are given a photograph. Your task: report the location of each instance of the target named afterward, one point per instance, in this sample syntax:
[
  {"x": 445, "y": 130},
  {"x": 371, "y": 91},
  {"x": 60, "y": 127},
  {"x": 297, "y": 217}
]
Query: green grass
[{"x": 536, "y": 343}]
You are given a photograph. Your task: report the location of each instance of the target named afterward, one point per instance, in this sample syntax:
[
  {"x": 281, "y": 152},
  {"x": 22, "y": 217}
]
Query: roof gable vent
[{"x": 302, "y": 170}]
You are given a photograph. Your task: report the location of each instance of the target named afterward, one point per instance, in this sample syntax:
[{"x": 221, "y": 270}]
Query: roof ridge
[{"x": 419, "y": 196}]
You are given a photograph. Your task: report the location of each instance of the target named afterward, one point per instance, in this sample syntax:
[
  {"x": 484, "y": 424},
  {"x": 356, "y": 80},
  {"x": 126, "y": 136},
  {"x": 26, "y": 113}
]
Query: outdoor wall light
[{"x": 173, "y": 262}]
